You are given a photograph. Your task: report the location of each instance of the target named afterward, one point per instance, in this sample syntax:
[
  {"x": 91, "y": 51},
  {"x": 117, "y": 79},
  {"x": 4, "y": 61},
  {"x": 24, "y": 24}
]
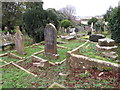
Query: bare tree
[{"x": 69, "y": 11}]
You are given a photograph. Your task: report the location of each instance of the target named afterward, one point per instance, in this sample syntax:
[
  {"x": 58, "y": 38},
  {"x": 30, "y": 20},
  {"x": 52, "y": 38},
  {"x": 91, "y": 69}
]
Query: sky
[{"x": 83, "y": 7}]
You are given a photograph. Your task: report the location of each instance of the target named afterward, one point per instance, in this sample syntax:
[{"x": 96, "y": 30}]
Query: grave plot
[
  {"x": 27, "y": 64},
  {"x": 80, "y": 58},
  {"x": 91, "y": 51}
]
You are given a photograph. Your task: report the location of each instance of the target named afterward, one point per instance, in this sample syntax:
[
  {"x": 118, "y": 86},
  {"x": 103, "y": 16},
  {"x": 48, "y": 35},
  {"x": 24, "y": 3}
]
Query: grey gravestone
[
  {"x": 62, "y": 30},
  {"x": 50, "y": 35},
  {"x": 19, "y": 42}
]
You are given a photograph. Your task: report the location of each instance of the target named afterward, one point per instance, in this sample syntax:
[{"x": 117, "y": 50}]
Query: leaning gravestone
[
  {"x": 19, "y": 42},
  {"x": 50, "y": 35}
]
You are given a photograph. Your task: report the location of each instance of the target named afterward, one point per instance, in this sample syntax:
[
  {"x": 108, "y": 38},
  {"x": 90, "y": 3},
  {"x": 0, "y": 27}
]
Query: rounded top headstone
[{"x": 51, "y": 26}]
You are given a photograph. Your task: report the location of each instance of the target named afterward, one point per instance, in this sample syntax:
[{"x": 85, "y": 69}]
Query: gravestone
[
  {"x": 62, "y": 30},
  {"x": 19, "y": 42},
  {"x": 50, "y": 35}
]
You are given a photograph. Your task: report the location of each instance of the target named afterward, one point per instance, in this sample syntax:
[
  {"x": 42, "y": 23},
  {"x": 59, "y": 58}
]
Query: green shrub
[
  {"x": 34, "y": 22},
  {"x": 66, "y": 23},
  {"x": 36, "y": 19},
  {"x": 114, "y": 24},
  {"x": 92, "y": 20}
]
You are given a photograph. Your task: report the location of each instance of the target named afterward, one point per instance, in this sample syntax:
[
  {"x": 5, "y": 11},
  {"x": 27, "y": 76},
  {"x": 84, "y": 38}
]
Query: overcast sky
[{"x": 83, "y": 7}]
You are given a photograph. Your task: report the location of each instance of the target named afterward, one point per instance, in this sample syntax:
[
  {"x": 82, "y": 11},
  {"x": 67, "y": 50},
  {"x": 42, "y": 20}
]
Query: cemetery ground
[{"x": 14, "y": 75}]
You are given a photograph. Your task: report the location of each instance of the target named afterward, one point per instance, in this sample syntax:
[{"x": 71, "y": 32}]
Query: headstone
[
  {"x": 50, "y": 35},
  {"x": 9, "y": 37},
  {"x": 89, "y": 33},
  {"x": 76, "y": 30},
  {"x": 19, "y": 42},
  {"x": 62, "y": 30},
  {"x": 92, "y": 26},
  {"x": 96, "y": 37},
  {"x": 73, "y": 32},
  {"x": 68, "y": 30}
]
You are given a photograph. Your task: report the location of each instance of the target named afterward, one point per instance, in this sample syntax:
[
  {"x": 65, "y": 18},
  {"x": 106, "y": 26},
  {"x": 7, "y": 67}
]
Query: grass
[
  {"x": 15, "y": 78},
  {"x": 8, "y": 59},
  {"x": 30, "y": 50},
  {"x": 71, "y": 44},
  {"x": 2, "y": 63}
]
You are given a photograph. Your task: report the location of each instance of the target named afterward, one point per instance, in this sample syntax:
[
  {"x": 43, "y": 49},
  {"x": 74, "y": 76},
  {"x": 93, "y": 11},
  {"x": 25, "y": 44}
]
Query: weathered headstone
[
  {"x": 62, "y": 30},
  {"x": 19, "y": 42},
  {"x": 50, "y": 35}
]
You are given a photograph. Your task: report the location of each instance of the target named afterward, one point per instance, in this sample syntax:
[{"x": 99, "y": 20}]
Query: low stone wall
[{"x": 74, "y": 61}]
